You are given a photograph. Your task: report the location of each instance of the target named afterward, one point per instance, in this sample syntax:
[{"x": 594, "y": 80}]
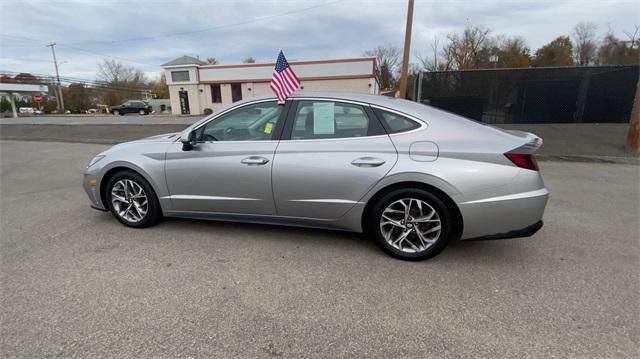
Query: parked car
[
  {"x": 411, "y": 176},
  {"x": 26, "y": 110},
  {"x": 139, "y": 107}
]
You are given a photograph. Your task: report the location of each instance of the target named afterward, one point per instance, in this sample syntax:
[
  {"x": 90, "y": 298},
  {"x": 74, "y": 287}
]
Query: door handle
[
  {"x": 255, "y": 161},
  {"x": 368, "y": 162}
]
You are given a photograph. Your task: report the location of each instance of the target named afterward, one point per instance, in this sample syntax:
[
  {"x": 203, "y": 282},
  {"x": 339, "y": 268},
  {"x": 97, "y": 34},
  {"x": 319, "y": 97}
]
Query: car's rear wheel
[
  {"x": 411, "y": 223},
  {"x": 142, "y": 112},
  {"x": 132, "y": 200},
  {"x": 116, "y": 112}
]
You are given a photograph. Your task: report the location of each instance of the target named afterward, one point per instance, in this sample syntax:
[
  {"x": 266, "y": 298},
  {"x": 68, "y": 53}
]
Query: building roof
[{"x": 184, "y": 60}]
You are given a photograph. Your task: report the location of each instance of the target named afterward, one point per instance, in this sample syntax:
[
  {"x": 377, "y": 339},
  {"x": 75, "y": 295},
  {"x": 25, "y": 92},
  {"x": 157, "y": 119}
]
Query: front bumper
[{"x": 93, "y": 191}]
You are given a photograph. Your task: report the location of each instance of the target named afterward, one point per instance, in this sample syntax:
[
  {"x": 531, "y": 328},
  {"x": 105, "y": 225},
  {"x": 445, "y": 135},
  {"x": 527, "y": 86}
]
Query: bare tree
[
  {"x": 615, "y": 51},
  {"x": 119, "y": 82},
  {"x": 249, "y": 60},
  {"x": 212, "y": 61},
  {"x": 112, "y": 71},
  {"x": 433, "y": 62},
  {"x": 584, "y": 51},
  {"x": 388, "y": 58},
  {"x": 634, "y": 37},
  {"x": 463, "y": 51}
]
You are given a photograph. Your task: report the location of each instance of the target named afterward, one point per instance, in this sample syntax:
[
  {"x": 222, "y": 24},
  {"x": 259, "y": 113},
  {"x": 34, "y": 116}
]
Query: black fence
[{"x": 599, "y": 94}]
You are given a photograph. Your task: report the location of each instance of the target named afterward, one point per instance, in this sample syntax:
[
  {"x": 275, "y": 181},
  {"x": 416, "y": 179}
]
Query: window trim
[
  {"x": 291, "y": 118},
  {"x": 277, "y": 134}
]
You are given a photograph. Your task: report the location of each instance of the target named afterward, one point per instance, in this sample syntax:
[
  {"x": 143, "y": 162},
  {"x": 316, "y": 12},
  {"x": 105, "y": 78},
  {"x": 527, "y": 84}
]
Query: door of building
[{"x": 184, "y": 102}]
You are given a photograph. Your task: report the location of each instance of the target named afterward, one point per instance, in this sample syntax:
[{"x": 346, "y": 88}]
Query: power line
[
  {"x": 183, "y": 33},
  {"x": 75, "y": 48}
]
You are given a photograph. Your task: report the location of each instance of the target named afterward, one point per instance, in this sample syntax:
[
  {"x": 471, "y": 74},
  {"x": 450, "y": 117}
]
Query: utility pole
[
  {"x": 407, "y": 50},
  {"x": 55, "y": 62}
]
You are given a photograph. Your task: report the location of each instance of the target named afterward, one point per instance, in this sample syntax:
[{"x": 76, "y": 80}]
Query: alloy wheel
[
  {"x": 410, "y": 225},
  {"x": 129, "y": 200}
]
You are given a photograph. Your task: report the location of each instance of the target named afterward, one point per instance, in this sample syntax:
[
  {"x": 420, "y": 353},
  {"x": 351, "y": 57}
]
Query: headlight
[{"x": 95, "y": 160}]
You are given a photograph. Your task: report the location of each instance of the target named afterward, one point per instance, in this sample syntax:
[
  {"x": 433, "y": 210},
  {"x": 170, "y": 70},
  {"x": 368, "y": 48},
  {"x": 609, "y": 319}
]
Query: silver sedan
[{"x": 410, "y": 176}]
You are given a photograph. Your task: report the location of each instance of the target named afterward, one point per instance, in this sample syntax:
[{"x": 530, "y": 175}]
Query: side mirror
[{"x": 190, "y": 142}]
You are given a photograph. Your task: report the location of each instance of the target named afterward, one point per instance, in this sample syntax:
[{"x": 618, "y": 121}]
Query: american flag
[{"x": 284, "y": 81}]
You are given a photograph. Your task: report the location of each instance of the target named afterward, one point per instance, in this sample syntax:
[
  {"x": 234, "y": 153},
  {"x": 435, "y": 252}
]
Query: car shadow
[{"x": 480, "y": 253}]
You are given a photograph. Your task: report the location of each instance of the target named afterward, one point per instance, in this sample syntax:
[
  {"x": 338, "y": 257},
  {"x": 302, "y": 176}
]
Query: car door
[
  {"x": 331, "y": 154},
  {"x": 229, "y": 169}
]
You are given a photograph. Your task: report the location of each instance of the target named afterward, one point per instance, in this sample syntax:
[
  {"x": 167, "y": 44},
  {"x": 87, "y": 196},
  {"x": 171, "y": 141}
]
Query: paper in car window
[
  {"x": 324, "y": 118},
  {"x": 268, "y": 127}
]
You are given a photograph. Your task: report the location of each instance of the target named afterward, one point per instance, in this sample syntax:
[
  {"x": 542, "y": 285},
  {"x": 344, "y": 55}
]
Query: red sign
[{"x": 37, "y": 98}]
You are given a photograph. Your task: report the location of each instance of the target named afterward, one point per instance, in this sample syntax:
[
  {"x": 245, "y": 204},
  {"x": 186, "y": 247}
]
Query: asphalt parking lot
[{"x": 76, "y": 283}]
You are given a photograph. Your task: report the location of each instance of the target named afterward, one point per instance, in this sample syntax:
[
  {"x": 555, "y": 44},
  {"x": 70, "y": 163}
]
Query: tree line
[{"x": 476, "y": 48}]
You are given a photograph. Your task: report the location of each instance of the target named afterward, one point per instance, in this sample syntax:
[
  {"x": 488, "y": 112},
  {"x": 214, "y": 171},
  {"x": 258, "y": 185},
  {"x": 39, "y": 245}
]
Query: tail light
[{"x": 524, "y": 156}]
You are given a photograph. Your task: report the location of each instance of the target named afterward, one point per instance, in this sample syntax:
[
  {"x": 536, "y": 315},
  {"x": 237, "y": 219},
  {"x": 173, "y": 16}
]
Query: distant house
[{"x": 195, "y": 86}]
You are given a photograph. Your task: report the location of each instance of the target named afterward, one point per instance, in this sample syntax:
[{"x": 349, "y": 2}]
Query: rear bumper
[
  {"x": 518, "y": 233},
  {"x": 517, "y": 215}
]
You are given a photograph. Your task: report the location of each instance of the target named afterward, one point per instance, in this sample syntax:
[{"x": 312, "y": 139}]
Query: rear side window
[
  {"x": 395, "y": 123},
  {"x": 327, "y": 119}
]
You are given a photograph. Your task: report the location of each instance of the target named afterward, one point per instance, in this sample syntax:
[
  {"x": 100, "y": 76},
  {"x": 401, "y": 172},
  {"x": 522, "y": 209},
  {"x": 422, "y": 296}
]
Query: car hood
[{"x": 166, "y": 137}]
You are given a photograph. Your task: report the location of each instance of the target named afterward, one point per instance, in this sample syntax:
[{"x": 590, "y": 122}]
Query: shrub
[{"x": 207, "y": 111}]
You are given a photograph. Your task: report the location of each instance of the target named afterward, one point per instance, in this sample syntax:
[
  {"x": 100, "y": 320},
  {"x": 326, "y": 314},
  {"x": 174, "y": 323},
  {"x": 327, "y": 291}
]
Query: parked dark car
[{"x": 140, "y": 107}]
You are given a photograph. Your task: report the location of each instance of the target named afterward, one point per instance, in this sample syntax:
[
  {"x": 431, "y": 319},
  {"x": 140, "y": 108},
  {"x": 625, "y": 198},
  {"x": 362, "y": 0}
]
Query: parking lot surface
[{"x": 76, "y": 283}]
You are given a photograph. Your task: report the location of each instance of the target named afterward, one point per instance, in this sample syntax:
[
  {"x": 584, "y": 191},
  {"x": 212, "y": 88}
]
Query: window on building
[
  {"x": 395, "y": 123},
  {"x": 236, "y": 92},
  {"x": 178, "y": 76},
  {"x": 327, "y": 119},
  {"x": 216, "y": 95}
]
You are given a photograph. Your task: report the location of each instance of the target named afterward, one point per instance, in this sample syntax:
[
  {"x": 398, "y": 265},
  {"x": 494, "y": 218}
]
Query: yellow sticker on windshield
[{"x": 268, "y": 127}]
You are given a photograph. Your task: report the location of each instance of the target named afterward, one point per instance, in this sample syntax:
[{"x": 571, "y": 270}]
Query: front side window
[
  {"x": 255, "y": 122},
  {"x": 327, "y": 119},
  {"x": 395, "y": 123},
  {"x": 178, "y": 76}
]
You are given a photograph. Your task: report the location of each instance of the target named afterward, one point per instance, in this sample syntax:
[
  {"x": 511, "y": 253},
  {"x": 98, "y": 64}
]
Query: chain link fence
[{"x": 595, "y": 94}]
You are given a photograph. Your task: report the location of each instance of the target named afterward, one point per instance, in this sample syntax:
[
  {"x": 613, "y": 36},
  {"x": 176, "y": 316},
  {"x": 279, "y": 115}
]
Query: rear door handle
[
  {"x": 255, "y": 161},
  {"x": 368, "y": 162}
]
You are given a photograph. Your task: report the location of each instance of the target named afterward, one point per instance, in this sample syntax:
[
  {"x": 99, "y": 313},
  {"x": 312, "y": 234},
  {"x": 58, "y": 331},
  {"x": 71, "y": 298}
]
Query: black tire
[
  {"x": 142, "y": 112},
  {"x": 154, "y": 212},
  {"x": 116, "y": 112},
  {"x": 444, "y": 213}
]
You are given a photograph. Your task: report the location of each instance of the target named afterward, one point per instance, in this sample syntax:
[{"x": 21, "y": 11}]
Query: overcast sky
[{"x": 147, "y": 34}]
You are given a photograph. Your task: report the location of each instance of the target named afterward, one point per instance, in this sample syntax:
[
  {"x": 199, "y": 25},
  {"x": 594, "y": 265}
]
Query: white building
[{"x": 195, "y": 86}]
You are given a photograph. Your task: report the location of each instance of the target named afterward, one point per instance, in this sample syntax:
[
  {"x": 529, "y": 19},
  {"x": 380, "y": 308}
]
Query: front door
[
  {"x": 184, "y": 102},
  {"x": 229, "y": 170},
  {"x": 335, "y": 153}
]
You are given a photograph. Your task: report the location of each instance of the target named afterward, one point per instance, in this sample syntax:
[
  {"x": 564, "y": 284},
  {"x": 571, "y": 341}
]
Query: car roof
[{"x": 409, "y": 107}]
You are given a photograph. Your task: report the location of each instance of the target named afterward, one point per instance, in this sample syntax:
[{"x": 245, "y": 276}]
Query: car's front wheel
[
  {"x": 132, "y": 200},
  {"x": 142, "y": 112},
  {"x": 411, "y": 223}
]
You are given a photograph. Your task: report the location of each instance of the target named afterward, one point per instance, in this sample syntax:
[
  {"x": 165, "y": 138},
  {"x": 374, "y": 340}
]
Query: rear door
[{"x": 332, "y": 152}]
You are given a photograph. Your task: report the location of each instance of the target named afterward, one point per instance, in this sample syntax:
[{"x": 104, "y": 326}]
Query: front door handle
[
  {"x": 255, "y": 161},
  {"x": 368, "y": 162}
]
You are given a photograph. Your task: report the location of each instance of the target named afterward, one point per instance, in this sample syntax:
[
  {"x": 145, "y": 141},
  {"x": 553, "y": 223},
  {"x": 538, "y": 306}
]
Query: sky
[{"x": 146, "y": 34}]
